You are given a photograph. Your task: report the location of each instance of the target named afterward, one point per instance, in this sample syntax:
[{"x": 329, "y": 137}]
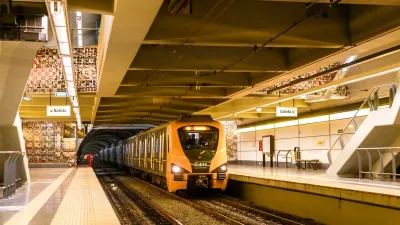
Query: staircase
[{"x": 373, "y": 149}]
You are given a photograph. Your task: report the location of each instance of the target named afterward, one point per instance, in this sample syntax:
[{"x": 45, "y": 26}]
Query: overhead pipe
[{"x": 189, "y": 85}]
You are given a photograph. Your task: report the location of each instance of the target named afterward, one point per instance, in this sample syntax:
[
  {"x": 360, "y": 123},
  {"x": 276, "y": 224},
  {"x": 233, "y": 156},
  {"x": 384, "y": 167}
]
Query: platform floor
[
  {"x": 385, "y": 193},
  {"x": 59, "y": 196}
]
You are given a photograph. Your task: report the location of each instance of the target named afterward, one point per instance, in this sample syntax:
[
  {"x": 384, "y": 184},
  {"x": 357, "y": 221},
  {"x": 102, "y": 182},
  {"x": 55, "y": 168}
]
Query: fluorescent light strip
[
  {"x": 350, "y": 114},
  {"x": 60, "y": 25},
  {"x": 67, "y": 62},
  {"x": 314, "y": 119},
  {"x": 64, "y": 48},
  {"x": 287, "y": 123},
  {"x": 79, "y": 24},
  {"x": 247, "y": 129},
  {"x": 265, "y": 127},
  {"x": 62, "y": 34}
]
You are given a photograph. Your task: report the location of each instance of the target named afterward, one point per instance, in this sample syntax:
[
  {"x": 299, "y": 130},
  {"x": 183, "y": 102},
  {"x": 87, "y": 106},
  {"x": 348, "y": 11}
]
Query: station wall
[{"x": 313, "y": 138}]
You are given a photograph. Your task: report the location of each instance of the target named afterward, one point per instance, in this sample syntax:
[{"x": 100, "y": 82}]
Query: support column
[{"x": 16, "y": 59}]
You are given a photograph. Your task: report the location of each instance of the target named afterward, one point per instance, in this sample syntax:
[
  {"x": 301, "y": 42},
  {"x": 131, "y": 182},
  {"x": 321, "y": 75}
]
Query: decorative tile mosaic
[
  {"x": 230, "y": 129},
  {"x": 47, "y": 74},
  {"x": 45, "y": 142},
  {"x": 340, "y": 91}
]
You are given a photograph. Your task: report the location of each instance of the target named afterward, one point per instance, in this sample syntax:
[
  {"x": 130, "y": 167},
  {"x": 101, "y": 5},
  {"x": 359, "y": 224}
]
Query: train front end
[{"x": 197, "y": 157}]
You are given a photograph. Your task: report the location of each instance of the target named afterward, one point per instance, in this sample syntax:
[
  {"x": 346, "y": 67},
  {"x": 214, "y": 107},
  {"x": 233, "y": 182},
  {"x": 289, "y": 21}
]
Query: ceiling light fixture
[{"x": 59, "y": 21}]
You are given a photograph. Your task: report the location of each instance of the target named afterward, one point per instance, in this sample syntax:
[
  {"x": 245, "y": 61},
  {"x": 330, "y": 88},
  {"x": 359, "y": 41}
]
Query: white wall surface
[{"x": 305, "y": 136}]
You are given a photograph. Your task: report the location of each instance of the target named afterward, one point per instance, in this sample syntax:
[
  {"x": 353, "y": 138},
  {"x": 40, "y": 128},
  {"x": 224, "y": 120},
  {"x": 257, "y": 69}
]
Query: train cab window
[{"x": 198, "y": 137}]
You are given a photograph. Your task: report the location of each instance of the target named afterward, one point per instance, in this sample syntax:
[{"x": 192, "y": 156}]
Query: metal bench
[
  {"x": 306, "y": 162},
  {"x": 313, "y": 163}
]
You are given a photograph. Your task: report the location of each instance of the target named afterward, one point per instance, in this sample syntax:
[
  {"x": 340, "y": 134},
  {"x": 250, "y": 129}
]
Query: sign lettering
[
  {"x": 286, "y": 111},
  {"x": 58, "y": 111}
]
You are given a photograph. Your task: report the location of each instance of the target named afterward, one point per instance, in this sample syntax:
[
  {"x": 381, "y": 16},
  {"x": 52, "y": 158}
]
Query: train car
[{"x": 189, "y": 152}]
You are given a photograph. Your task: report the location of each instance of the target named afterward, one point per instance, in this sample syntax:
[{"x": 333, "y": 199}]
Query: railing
[
  {"x": 286, "y": 156},
  {"x": 11, "y": 175},
  {"x": 373, "y": 102},
  {"x": 392, "y": 150},
  {"x": 19, "y": 21}
]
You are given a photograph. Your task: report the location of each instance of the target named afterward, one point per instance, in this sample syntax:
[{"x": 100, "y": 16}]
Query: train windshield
[{"x": 198, "y": 137}]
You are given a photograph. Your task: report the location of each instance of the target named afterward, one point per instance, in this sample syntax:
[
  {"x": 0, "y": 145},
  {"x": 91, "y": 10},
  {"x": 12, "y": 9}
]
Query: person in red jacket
[{"x": 89, "y": 159}]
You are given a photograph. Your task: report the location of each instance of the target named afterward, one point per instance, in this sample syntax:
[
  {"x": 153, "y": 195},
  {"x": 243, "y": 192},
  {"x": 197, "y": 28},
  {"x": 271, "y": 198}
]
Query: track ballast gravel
[{"x": 180, "y": 210}]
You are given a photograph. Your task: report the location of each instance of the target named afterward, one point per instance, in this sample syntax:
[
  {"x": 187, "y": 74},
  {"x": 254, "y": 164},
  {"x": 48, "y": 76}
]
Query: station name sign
[
  {"x": 58, "y": 110},
  {"x": 286, "y": 111}
]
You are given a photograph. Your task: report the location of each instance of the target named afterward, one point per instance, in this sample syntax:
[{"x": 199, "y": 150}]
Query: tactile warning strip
[{"x": 85, "y": 202}]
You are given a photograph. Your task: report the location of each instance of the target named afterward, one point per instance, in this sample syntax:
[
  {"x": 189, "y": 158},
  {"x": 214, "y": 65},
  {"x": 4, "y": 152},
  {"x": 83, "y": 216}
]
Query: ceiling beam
[
  {"x": 147, "y": 109},
  {"x": 249, "y": 23},
  {"x": 364, "y": 2},
  {"x": 92, "y": 6},
  {"x": 198, "y": 58},
  {"x": 144, "y": 91},
  {"x": 243, "y": 44},
  {"x": 198, "y": 69}
]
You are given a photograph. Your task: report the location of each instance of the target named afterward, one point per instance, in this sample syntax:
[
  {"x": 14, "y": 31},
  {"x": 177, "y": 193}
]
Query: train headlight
[
  {"x": 223, "y": 168},
  {"x": 176, "y": 169}
]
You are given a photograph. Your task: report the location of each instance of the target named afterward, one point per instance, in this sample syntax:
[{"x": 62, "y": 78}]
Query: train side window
[
  {"x": 157, "y": 145},
  {"x": 143, "y": 146},
  {"x": 149, "y": 145}
]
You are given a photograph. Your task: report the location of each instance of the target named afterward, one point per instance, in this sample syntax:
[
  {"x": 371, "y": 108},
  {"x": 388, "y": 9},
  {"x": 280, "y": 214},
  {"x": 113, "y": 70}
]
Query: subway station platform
[
  {"x": 59, "y": 196},
  {"x": 312, "y": 194},
  {"x": 383, "y": 193}
]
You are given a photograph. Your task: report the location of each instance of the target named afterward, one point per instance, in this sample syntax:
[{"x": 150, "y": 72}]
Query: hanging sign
[
  {"x": 286, "y": 111},
  {"x": 58, "y": 110}
]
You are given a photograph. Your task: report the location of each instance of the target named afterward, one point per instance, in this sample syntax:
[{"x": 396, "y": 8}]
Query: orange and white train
[{"x": 189, "y": 152}]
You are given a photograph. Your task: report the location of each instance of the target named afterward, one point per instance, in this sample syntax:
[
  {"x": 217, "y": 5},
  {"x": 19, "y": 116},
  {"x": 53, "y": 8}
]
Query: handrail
[
  {"x": 374, "y": 90},
  {"x": 380, "y": 150},
  {"x": 12, "y": 152}
]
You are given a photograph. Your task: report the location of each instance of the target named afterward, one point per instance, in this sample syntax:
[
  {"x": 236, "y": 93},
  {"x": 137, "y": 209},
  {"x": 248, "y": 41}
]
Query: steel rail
[
  {"x": 119, "y": 211},
  {"x": 129, "y": 192},
  {"x": 193, "y": 204},
  {"x": 224, "y": 199}
]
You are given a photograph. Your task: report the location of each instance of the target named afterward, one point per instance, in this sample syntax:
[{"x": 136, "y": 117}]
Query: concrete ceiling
[
  {"x": 155, "y": 66},
  {"x": 36, "y": 108}
]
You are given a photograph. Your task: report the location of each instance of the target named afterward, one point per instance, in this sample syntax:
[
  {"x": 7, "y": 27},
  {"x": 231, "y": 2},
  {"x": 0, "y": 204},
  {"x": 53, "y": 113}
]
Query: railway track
[
  {"x": 227, "y": 210},
  {"x": 131, "y": 207}
]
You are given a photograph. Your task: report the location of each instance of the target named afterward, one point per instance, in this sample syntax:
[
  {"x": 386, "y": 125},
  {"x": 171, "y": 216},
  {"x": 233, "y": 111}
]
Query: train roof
[{"x": 183, "y": 118}]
